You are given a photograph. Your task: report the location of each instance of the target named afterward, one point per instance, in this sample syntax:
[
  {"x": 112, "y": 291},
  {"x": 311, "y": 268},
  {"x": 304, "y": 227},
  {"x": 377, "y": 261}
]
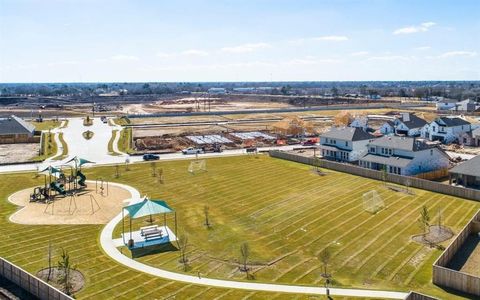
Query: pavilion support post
[{"x": 123, "y": 226}]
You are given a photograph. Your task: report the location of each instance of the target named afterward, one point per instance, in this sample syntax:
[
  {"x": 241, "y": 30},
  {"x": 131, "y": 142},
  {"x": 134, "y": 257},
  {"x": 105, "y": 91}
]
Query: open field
[
  {"x": 288, "y": 215},
  {"x": 10, "y": 153},
  {"x": 285, "y": 212},
  {"x": 27, "y": 246}
]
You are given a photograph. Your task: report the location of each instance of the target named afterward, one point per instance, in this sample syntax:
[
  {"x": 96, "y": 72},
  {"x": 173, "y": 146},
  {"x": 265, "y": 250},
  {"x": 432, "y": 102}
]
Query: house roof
[
  {"x": 470, "y": 167},
  {"x": 15, "y": 125},
  {"x": 387, "y": 160},
  {"x": 413, "y": 120},
  {"x": 449, "y": 121},
  {"x": 401, "y": 143},
  {"x": 447, "y": 101},
  {"x": 347, "y": 133}
]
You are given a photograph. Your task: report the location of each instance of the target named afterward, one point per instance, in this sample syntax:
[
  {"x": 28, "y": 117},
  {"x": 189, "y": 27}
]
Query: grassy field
[
  {"x": 46, "y": 125},
  {"x": 48, "y": 146},
  {"x": 285, "y": 212},
  {"x": 125, "y": 141}
]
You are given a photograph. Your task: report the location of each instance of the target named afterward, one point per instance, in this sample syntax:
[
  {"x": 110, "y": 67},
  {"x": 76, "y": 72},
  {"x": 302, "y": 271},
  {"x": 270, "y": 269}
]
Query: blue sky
[{"x": 238, "y": 40}]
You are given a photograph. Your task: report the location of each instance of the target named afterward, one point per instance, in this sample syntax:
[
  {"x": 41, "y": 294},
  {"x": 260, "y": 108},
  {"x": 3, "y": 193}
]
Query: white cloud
[
  {"x": 312, "y": 61},
  {"x": 414, "y": 29},
  {"x": 423, "y": 48},
  {"x": 124, "y": 57},
  {"x": 164, "y": 54},
  {"x": 194, "y": 52},
  {"x": 63, "y": 63},
  {"x": 245, "y": 48},
  {"x": 331, "y": 38},
  {"x": 458, "y": 53},
  {"x": 390, "y": 58},
  {"x": 359, "y": 53}
]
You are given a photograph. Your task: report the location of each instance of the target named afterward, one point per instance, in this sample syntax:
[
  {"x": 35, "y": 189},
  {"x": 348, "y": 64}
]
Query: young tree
[
  {"x": 117, "y": 171},
  {"x": 324, "y": 258},
  {"x": 153, "y": 166},
  {"x": 244, "y": 255},
  {"x": 65, "y": 267},
  {"x": 49, "y": 258},
  {"x": 182, "y": 243},
  {"x": 424, "y": 218},
  {"x": 206, "y": 211}
]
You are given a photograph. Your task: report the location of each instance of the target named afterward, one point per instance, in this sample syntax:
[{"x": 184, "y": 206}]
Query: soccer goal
[
  {"x": 197, "y": 166},
  {"x": 372, "y": 202}
]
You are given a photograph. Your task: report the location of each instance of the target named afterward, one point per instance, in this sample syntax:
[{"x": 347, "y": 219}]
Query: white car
[{"x": 192, "y": 150}]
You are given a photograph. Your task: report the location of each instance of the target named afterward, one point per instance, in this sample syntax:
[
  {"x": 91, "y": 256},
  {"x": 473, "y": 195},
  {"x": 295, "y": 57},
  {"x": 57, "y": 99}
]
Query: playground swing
[
  {"x": 101, "y": 185},
  {"x": 197, "y": 166}
]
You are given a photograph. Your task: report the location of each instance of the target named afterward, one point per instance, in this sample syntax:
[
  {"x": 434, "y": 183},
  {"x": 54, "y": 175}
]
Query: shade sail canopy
[
  {"x": 50, "y": 171},
  {"x": 80, "y": 161},
  {"x": 148, "y": 207}
]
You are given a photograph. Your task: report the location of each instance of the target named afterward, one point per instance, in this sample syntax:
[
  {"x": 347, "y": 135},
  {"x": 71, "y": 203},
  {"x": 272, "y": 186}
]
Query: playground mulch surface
[{"x": 66, "y": 210}]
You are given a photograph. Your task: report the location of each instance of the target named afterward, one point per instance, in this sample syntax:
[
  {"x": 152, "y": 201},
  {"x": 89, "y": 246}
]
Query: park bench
[
  {"x": 146, "y": 229},
  {"x": 152, "y": 235}
]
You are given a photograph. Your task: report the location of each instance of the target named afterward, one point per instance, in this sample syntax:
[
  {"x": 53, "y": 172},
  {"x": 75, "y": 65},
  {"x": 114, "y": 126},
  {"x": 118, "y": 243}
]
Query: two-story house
[
  {"x": 403, "y": 156},
  {"x": 405, "y": 124},
  {"x": 344, "y": 143},
  {"x": 445, "y": 129}
]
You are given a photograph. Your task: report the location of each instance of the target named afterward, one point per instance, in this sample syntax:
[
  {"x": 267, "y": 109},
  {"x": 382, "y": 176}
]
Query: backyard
[{"x": 285, "y": 212}]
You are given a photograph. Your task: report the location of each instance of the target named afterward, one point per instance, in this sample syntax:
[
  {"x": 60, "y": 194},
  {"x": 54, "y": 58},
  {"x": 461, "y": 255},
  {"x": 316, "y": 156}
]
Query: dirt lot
[
  {"x": 199, "y": 104},
  {"x": 10, "y": 153}
]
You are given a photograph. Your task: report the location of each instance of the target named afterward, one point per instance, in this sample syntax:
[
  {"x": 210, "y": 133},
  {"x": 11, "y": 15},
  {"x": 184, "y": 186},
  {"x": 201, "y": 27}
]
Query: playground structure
[
  {"x": 197, "y": 166},
  {"x": 62, "y": 180},
  {"x": 372, "y": 202}
]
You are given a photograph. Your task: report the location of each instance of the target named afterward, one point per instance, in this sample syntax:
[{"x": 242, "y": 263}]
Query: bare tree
[
  {"x": 182, "y": 243},
  {"x": 324, "y": 258},
  {"x": 206, "y": 211},
  {"x": 117, "y": 171},
  {"x": 408, "y": 183},
  {"x": 65, "y": 267},
  {"x": 424, "y": 219},
  {"x": 244, "y": 255},
  {"x": 49, "y": 258},
  {"x": 153, "y": 166}
]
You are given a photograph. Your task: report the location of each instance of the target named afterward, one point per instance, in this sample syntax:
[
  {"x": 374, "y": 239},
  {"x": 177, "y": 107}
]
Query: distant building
[
  {"x": 403, "y": 156},
  {"x": 15, "y": 130},
  {"x": 467, "y": 173},
  {"x": 360, "y": 122},
  {"x": 471, "y": 138},
  {"x": 445, "y": 129},
  {"x": 244, "y": 90},
  {"x": 344, "y": 143},
  {"x": 446, "y": 104},
  {"x": 217, "y": 91}
]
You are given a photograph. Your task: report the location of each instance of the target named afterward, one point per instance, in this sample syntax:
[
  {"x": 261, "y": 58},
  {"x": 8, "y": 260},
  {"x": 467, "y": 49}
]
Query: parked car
[
  {"x": 148, "y": 157},
  {"x": 104, "y": 119},
  {"x": 192, "y": 150},
  {"x": 213, "y": 148},
  {"x": 308, "y": 143}
]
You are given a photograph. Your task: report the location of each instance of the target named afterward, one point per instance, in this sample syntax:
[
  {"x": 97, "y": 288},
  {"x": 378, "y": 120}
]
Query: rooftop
[
  {"x": 15, "y": 125},
  {"x": 401, "y": 143},
  {"x": 451, "y": 121},
  {"x": 470, "y": 167},
  {"x": 348, "y": 134}
]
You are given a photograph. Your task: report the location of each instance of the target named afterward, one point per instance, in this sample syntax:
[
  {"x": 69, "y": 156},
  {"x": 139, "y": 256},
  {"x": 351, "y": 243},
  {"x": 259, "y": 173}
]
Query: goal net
[
  {"x": 372, "y": 202},
  {"x": 197, "y": 166}
]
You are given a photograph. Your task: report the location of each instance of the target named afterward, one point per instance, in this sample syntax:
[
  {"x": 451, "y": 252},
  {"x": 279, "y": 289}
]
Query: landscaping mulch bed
[
  {"x": 436, "y": 234},
  {"x": 77, "y": 280}
]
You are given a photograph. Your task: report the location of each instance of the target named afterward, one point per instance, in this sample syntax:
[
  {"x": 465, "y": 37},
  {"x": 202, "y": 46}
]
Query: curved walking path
[{"x": 109, "y": 247}]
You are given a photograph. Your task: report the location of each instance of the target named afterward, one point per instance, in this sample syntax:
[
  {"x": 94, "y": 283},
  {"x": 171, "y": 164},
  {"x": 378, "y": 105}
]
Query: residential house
[
  {"x": 360, "y": 122},
  {"x": 471, "y": 138},
  {"x": 403, "y": 156},
  {"x": 15, "y": 130},
  {"x": 445, "y": 129},
  {"x": 344, "y": 143},
  {"x": 466, "y": 105},
  {"x": 446, "y": 104},
  {"x": 467, "y": 173},
  {"x": 405, "y": 124}
]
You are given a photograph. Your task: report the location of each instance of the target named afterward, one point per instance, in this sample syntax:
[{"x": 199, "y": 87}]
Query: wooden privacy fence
[
  {"x": 30, "y": 283},
  {"x": 418, "y": 296},
  {"x": 455, "y": 279},
  {"x": 442, "y": 173},
  {"x": 423, "y": 184}
]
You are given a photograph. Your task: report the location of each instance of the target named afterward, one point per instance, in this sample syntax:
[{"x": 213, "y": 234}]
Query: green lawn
[
  {"x": 125, "y": 140},
  {"x": 285, "y": 212},
  {"x": 46, "y": 124}
]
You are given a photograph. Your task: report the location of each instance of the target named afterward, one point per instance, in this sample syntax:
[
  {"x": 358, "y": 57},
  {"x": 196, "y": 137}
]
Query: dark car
[
  {"x": 151, "y": 157},
  {"x": 308, "y": 143}
]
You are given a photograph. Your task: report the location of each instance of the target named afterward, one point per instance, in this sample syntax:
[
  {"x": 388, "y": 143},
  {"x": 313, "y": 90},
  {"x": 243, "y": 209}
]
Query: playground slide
[
  {"x": 82, "y": 178},
  {"x": 58, "y": 187}
]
